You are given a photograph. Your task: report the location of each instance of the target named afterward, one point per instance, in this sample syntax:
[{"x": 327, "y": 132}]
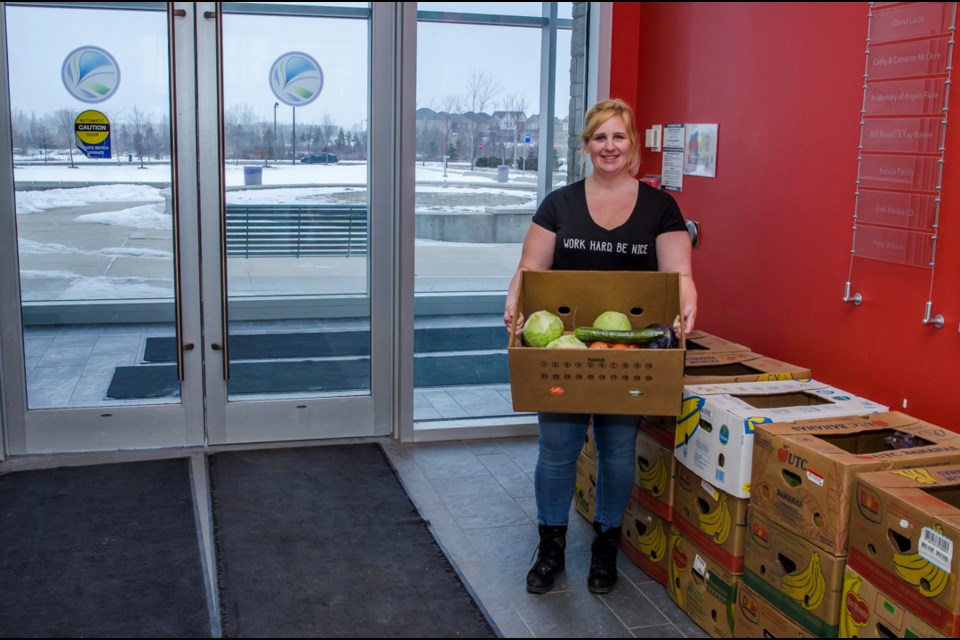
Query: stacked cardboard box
[
  {"x": 803, "y": 480},
  {"x": 904, "y": 526}
]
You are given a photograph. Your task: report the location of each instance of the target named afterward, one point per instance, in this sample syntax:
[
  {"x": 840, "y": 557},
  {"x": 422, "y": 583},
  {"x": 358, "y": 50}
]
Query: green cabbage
[
  {"x": 542, "y": 328},
  {"x": 568, "y": 341},
  {"x": 612, "y": 321}
]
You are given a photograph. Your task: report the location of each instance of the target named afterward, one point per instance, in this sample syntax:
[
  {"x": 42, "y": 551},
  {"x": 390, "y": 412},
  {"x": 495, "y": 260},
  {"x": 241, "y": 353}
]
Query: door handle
[{"x": 216, "y": 346}]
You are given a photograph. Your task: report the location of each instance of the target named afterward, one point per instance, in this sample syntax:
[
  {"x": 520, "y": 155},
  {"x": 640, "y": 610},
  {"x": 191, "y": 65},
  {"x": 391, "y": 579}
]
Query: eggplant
[{"x": 668, "y": 341}]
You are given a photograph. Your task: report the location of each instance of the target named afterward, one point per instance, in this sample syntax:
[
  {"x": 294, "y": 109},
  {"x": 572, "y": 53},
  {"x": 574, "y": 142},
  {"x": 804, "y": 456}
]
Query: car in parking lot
[{"x": 320, "y": 158}]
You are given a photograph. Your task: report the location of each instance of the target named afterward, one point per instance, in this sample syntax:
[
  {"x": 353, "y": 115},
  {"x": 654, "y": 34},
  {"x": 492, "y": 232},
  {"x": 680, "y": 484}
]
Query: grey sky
[{"x": 40, "y": 38}]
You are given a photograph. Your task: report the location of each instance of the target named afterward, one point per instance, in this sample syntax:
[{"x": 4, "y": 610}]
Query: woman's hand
[{"x": 508, "y": 314}]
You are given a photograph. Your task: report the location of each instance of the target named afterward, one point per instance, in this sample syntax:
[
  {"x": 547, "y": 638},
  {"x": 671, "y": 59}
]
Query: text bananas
[
  {"x": 808, "y": 586},
  {"x": 716, "y": 524},
  {"x": 655, "y": 478},
  {"x": 653, "y": 543}
]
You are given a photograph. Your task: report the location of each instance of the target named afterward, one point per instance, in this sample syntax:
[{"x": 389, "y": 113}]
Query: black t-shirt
[{"x": 582, "y": 244}]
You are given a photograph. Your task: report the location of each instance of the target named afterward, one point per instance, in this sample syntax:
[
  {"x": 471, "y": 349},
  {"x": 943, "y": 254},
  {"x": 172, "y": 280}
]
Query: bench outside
[{"x": 258, "y": 230}]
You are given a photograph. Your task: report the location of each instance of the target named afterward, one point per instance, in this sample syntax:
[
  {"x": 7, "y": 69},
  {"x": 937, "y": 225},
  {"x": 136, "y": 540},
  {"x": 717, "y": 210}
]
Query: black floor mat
[
  {"x": 324, "y": 344},
  {"x": 311, "y": 376},
  {"x": 101, "y": 551},
  {"x": 324, "y": 542}
]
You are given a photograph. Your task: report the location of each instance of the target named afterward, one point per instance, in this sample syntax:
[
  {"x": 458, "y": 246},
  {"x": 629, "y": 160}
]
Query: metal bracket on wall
[
  {"x": 936, "y": 320},
  {"x": 856, "y": 298}
]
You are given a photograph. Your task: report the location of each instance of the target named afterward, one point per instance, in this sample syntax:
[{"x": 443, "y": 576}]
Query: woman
[{"x": 610, "y": 205}]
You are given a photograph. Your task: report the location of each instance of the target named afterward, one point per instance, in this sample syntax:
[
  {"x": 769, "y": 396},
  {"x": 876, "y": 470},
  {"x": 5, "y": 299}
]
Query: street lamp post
[{"x": 275, "y": 105}]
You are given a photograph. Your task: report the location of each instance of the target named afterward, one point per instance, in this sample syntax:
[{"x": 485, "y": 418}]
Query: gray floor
[
  {"x": 478, "y": 497},
  {"x": 476, "y": 494}
]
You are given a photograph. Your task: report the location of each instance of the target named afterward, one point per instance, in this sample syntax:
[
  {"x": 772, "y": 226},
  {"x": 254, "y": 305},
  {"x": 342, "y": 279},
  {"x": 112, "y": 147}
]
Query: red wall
[{"x": 784, "y": 83}]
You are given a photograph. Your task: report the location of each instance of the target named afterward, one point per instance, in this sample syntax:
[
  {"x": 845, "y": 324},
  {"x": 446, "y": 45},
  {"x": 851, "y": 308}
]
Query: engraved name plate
[
  {"x": 908, "y": 59},
  {"x": 906, "y": 135},
  {"x": 916, "y": 173},
  {"x": 907, "y": 210},
  {"x": 894, "y": 245},
  {"x": 914, "y": 20},
  {"x": 905, "y": 97}
]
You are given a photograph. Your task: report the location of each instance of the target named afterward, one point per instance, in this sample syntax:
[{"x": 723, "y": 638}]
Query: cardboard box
[
  {"x": 705, "y": 367},
  {"x": 704, "y": 590},
  {"x": 698, "y": 340},
  {"x": 797, "y": 577},
  {"x": 715, "y": 434},
  {"x": 590, "y": 443},
  {"x": 754, "y": 617},
  {"x": 645, "y": 538},
  {"x": 608, "y": 381},
  {"x": 585, "y": 491},
  {"x": 804, "y": 471},
  {"x": 905, "y": 530},
  {"x": 868, "y": 612},
  {"x": 713, "y": 519},
  {"x": 656, "y": 473}
]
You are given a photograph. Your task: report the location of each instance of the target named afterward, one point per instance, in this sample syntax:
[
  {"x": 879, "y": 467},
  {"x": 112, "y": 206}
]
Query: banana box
[
  {"x": 794, "y": 575},
  {"x": 645, "y": 537},
  {"x": 700, "y": 586},
  {"x": 585, "y": 491},
  {"x": 904, "y": 536},
  {"x": 713, "y": 519},
  {"x": 803, "y": 472},
  {"x": 702, "y": 341},
  {"x": 754, "y": 617},
  {"x": 655, "y": 474},
  {"x": 715, "y": 433},
  {"x": 868, "y": 612},
  {"x": 589, "y": 443},
  {"x": 704, "y": 367}
]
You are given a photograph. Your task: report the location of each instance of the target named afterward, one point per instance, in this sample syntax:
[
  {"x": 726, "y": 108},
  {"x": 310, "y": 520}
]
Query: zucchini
[{"x": 633, "y": 336}]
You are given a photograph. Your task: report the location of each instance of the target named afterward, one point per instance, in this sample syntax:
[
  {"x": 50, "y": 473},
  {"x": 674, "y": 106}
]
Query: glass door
[
  {"x": 90, "y": 282},
  {"x": 287, "y": 214},
  {"x": 194, "y": 249}
]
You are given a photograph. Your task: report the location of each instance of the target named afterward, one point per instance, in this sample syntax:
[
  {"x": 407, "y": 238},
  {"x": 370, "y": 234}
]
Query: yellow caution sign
[{"x": 92, "y": 129}]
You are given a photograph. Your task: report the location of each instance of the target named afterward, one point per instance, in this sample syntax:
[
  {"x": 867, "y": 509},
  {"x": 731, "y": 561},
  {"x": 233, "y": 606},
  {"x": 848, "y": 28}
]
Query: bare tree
[
  {"x": 139, "y": 122},
  {"x": 452, "y": 104},
  {"x": 328, "y": 129},
  {"x": 64, "y": 119},
  {"x": 481, "y": 91}
]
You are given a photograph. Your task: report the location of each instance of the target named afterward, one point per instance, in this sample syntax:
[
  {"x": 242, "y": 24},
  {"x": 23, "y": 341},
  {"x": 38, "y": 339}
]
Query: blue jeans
[{"x": 561, "y": 440}]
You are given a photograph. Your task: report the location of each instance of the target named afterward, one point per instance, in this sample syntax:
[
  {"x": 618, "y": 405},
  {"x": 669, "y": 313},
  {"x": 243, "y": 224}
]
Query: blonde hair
[{"x": 600, "y": 113}]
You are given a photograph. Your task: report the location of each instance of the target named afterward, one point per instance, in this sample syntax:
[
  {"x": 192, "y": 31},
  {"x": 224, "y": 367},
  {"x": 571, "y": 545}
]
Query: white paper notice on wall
[{"x": 672, "y": 167}]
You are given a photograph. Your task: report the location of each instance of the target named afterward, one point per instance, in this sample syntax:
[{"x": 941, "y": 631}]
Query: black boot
[
  {"x": 603, "y": 560},
  {"x": 550, "y": 558}
]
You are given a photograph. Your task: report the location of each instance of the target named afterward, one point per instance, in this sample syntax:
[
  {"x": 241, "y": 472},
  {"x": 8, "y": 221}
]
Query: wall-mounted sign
[
  {"x": 893, "y": 245},
  {"x": 90, "y": 74},
  {"x": 296, "y": 79},
  {"x": 92, "y": 130},
  {"x": 906, "y": 97},
  {"x": 917, "y": 173},
  {"x": 700, "y": 157},
  {"x": 907, "y": 210},
  {"x": 671, "y": 170},
  {"x": 912, "y": 20},
  {"x": 907, "y": 59},
  {"x": 905, "y": 135}
]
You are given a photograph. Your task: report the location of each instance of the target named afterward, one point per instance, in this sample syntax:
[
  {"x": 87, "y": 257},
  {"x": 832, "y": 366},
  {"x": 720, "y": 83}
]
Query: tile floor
[{"x": 477, "y": 496}]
